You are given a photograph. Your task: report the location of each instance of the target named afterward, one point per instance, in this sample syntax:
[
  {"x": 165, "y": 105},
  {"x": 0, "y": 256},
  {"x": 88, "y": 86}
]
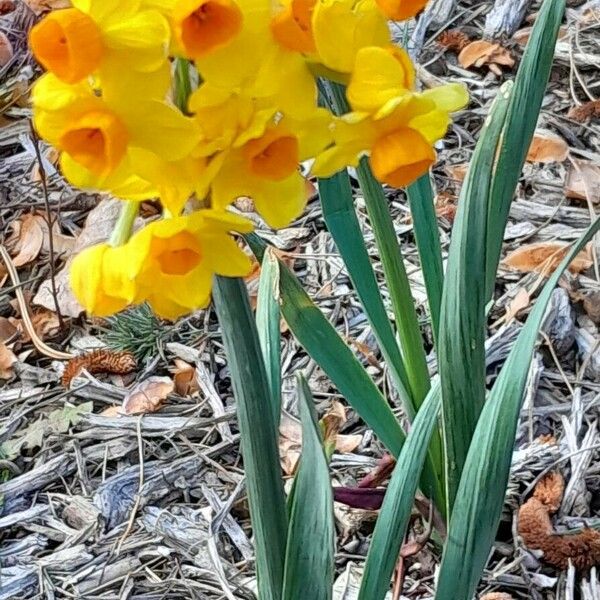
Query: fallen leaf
[
  {"x": 41, "y": 6},
  {"x": 46, "y": 324},
  {"x": 147, "y": 396},
  {"x": 6, "y": 50},
  {"x": 57, "y": 421},
  {"x": 27, "y": 239},
  {"x": 583, "y": 180},
  {"x": 184, "y": 377},
  {"x": 445, "y": 206},
  {"x": 585, "y": 111},
  {"x": 457, "y": 172},
  {"x": 7, "y": 6},
  {"x": 547, "y": 147},
  {"x": 112, "y": 411},
  {"x": 497, "y": 596},
  {"x": 346, "y": 443},
  {"x": 8, "y": 330},
  {"x": 544, "y": 257},
  {"x": 7, "y": 360},
  {"x": 480, "y": 53},
  {"x": 517, "y": 304},
  {"x": 522, "y": 36},
  {"x": 355, "y": 497}
]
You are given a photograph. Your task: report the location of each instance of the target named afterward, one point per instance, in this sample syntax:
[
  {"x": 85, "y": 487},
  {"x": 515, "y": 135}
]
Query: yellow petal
[
  {"x": 450, "y": 97},
  {"x": 342, "y": 27},
  {"x": 379, "y": 75}
]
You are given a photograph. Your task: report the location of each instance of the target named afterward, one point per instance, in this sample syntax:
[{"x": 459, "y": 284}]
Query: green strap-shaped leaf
[
  {"x": 309, "y": 557},
  {"x": 521, "y": 121},
  {"x": 427, "y": 236},
  {"x": 398, "y": 502},
  {"x": 478, "y": 505},
  {"x": 267, "y": 323},
  {"x": 258, "y": 433},
  {"x": 339, "y": 214},
  {"x": 461, "y": 343},
  {"x": 326, "y": 347}
]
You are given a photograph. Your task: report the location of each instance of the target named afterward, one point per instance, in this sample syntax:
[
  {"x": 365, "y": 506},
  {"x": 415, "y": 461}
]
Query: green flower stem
[
  {"x": 183, "y": 84},
  {"x": 122, "y": 231}
]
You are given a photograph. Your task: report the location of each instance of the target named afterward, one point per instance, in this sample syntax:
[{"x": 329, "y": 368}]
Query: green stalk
[
  {"x": 124, "y": 226},
  {"x": 403, "y": 304},
  {"x": 183, "y": 84},
  {"x": 427, "y": 236},
  {"x": 258, "y": 433}
]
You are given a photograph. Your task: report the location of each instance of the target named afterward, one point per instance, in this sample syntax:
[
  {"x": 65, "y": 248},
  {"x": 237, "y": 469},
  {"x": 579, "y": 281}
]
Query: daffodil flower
[
  {"x": 132, "y": 148},
  {"x": 106, "y": 38},
  {"x": 263, "y": 164},
  {"x": 398, "y": 138}
]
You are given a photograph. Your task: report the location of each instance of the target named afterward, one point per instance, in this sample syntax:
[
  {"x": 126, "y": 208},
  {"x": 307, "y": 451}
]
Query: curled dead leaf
[
  {"x": 547, "y": 147},
  {"x": 7, "y": 360},
  {"x": 6, "y": 50},
  {"x": 26, "y": 240},
  {"x": 184, "y": 377},
  {"x": 481, "y": 53},
  {"x": 544, "y": 257},
  {"x": 453, "y": 40},
  {"x": 583, "y": 181},
  {"x": 584, "y": 112},
  {"x": 8, "y": 329},
  {"x": 497, "y": 596},
  {"x": 99, "y": 361},
  {"x": 147, "y": 396}
]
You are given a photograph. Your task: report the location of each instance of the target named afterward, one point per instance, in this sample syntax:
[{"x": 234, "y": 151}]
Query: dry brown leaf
[
  {"x": 8, "y": 330},
  {"x": 42, "y": 6},
  {"x": 497, "y": 596},
  {"x": 46, "y": 324},
  {"x": 184, "y": 377},
  {"x": 544, "y": 257},
  {"x": 6, "y": 50},
  {"x": 547, "y": 147},
  {"x": 583, "y": 180},
  {"x": 481, "y": 53},
  {"x": 346, "y": 443},
  {"x": 7, "y": 360},
  {"x": 457, "y": 172},
  {"x": 522, "y": 36},
  {"x": 112, "y": 411},
  {"x": 27, "y": 239},
  {"x": 517, "y": 304},
  {"x": 7, "y": 6},
  {"x": 585, "y": 111},
  {"x": 147, "y": 396},
  {"x": 445, "y": 206}
]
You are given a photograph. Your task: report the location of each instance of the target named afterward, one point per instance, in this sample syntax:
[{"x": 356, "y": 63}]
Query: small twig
[
  {"x": 37, "y": 342},
  {"x": 138, "y": 496},
  {"x": 49, "y": 221}
]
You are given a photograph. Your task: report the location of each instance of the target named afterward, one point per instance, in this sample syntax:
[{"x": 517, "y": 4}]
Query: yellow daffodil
[
  {"x": 399, "y": 138},
  {"x": 101, "y": 141},
  {"x": 264, "y": 165},
  {"x": 400, "y": 10},
  {"x": 107, "y": 38},
  {"x": 379, "y": 75},
  {"x": 99, "y": 281},
  {"x": 172, "y": 261},
  {"x": 291, "y": 26}
]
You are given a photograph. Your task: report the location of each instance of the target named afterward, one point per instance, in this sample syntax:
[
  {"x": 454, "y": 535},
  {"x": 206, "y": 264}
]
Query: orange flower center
[
  {"x": 68, "y": 43},
  {"x": 97, "y": 140},
  {"x": 273, "y": 156},
  {"x": 177, "y": 255},
  {"x": 210, "y": 24},
  {"x": 292, "y": 27},
  {"x": 401, "y": 10},
  {"x": 400, "y": 157}
]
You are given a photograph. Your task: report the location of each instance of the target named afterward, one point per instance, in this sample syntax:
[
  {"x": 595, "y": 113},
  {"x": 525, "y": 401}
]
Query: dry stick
[
  {"x": 37, "y": 342},
  {"x": 50, "y": 222}
]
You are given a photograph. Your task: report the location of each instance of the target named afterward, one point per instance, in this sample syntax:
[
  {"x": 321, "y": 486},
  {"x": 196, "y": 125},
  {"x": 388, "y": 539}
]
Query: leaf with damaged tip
[
  {"x": 481, "y": 53},
  {"x": 184, "y": 378}
]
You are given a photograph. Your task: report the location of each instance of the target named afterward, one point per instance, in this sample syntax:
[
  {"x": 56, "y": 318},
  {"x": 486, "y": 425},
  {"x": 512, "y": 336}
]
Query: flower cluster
[{"x": 111, "y": 103}]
